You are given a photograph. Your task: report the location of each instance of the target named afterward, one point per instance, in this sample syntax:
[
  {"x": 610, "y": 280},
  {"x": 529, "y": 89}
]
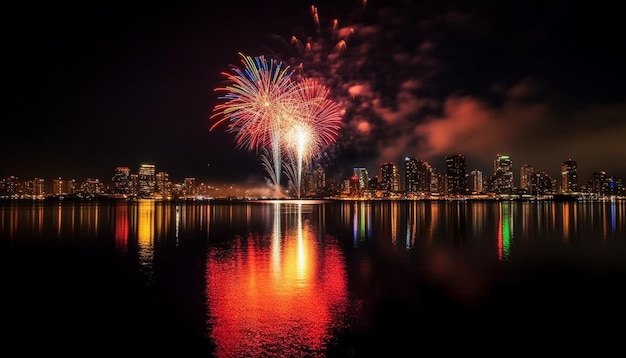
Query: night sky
[{"x": 90, "y": 87}]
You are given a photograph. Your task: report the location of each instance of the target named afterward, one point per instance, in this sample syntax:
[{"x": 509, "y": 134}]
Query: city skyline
[
  {"x": 456, "y": 177},
  {"x": 92, "y": 90}
]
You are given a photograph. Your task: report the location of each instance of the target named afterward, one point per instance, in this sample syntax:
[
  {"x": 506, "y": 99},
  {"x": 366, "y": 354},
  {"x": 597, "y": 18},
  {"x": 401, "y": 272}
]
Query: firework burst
[
  {"x": 289, "y": 122},
  {"x": 253, "y": 105}
]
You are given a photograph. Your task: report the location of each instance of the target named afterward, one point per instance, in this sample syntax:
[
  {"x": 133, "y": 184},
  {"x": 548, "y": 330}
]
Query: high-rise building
[
  {"x": 63, "y": 187},
  {"x": 503, "y": 174},
  {"x": 600, "y": 183},
  {"x": 362, "y": 175},
  {"x": 569, "y": 176},
  {"x": 39, "y": 187},
  {"x": 389, "y": 180},
  {"x": 541, "y": 184},
  {"x": 163, "y": 185},
  {"x": 410, "y": 175},
  {"x": 319, "y": 178},
  {"x": 418, "y": 176},
  {"x": 189, "y": 188},
  {"x": 526, "y": 175},
  {"x": 456, "y": 175},
  {"x": 120, "y": 180},
  {"x": 146, "y": 181},
  {"x": 476, "y": 181},
  {"x": 90, "y": 187}
]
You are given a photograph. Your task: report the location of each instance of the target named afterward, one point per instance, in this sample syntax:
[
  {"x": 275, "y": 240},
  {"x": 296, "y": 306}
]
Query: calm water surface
[{"x": 312, "y": 278}]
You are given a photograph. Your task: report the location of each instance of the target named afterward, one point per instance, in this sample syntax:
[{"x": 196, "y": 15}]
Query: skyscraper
[
  {"x": 146, "y": 181},
  {"x": 503, "y": 174},
  {"x": 319, "y": 178},
  {"x": 418, "y": 176},
  {"x": 569, "y": 176},
  {"x": 476, "y": 181},
  {"x": 121, "y": 180},
  {"x": 363, "y": 176},
  {"x": 526, "y": 175},
  {"x": 456, "y": 175},
  {"x": 389, "y": 180}
]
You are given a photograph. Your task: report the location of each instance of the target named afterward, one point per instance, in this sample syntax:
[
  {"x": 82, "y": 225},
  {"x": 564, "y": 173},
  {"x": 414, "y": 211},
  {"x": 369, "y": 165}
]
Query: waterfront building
[
  {"x": 456, "y": 177},
  {"x": 569, "y": 176}
]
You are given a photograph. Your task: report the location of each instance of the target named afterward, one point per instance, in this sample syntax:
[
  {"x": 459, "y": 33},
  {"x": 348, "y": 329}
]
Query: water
[{"x": 312, "y": 278}]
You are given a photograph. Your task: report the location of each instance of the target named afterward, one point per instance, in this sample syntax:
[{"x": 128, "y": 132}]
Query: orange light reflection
[{"x": 262, "y": 302}]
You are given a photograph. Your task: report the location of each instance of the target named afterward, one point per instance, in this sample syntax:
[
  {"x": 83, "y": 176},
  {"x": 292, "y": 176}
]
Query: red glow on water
[
  {"x": 275, "y": 298},
  {"x": 121, "y": 227}
]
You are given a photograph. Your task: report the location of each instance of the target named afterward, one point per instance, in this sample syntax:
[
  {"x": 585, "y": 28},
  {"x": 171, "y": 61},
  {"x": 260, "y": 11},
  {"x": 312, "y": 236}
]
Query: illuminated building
[
  {"x": 91, "y": 187},
  {"x": 163, "y": 184},
  {"x": 410, "y": 175},
  {"x": 362, "y": 176},
  {"x": 146, "y": 181},
  {"x": 120, "y": 180},
  {"x": 63, "y": 187},
  {"x": 456, "y": 175},
  {"x": 476, "y": 181},
  {"x": 526, "y": 174},
  {"x": 389, "y": 181},
  {"x": 319, "y": 178},
  {"x": 189, "y": 188},
  {"x": 418, "y": 176},
  {"x": 569, "y": 176},
  {"x": 503, "y": 174}
]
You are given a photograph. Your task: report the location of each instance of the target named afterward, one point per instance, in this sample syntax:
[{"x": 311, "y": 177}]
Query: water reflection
[
  {"x": 145, "y": 237},
  {"x": 505, "y": 231},
  {"x": 121, "y": 227},
  {"x": 288, "y": 279},
  {"x": 277, "y": 293}
]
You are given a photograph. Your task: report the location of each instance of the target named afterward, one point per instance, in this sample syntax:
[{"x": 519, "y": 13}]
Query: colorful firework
[
  {"x": 253, "y": 104},
  {"x": 316, "y": 124},
  {"x": 266, "y": 108}
]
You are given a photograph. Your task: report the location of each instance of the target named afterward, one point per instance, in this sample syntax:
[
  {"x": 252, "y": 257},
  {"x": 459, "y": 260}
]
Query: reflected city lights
[
  {"x": 505, "y": 231},
  {"x": 145, "y": 238},
  {"x": 262, "y": 294},
  {"x": 121, "y": 227}
]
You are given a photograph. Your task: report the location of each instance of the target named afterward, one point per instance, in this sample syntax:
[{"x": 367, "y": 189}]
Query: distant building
[
  {"x": 503, "y": 175},
  {"x": 63, "y": 187},
  {"x": 418, "y": 176},
  {"x": 362, "y": 175},
  {"x": 476, "y": 181},
  {"x": 526, "y": 175},
  {"x": 189, "y": 188},
  {"x": 569, "y": 176},
  {"x": 456, "y": 176},
  {"x": 389, "y": 181},
  {"x": 319, "y": 179},
  {"x": 120, "y": 180},
  {"x": 163, "y": 185},
  {"x": 146, "y": 181}
]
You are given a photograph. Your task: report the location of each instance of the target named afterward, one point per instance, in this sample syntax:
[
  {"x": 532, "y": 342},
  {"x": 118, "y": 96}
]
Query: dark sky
[{"x": 91, "y": 87}]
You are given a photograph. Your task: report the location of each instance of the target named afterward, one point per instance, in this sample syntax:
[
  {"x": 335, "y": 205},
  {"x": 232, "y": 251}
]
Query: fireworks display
[{"x": 288, "y": 122}]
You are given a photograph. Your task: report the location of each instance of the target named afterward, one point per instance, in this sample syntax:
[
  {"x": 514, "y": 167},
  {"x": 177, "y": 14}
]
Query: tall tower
[
  {"x": 163, "y": 184},
  {"x": 456, "y": 176},
  {"x": 389, "y": 180},
  {"x": 121, "y": 180},
  {"x": 189, "y": 188},
  {"x": 476, "y": 181},
  {"x": 319, "y": 178},
  {"x": 410, "y": 175},
  {"x": 569, "y": 176},
  {"x": 363, "y": 176},
  {"x": 146, "y": 181},
  {"x": 526, "y": 175},
  {"x": 503, "y": 174}
]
